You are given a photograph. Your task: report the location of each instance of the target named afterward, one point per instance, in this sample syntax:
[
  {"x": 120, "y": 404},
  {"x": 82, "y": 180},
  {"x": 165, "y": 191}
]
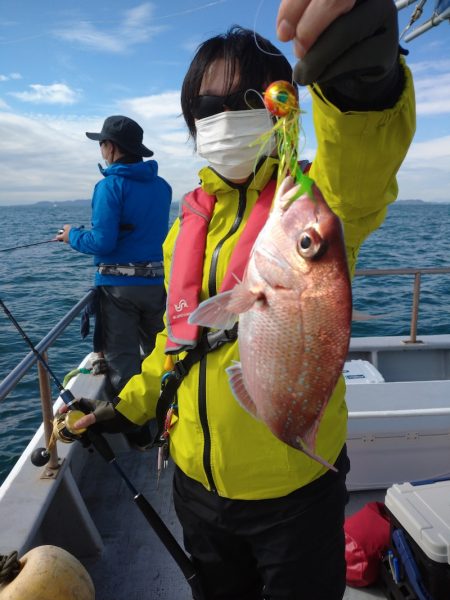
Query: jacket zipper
[
  {"x": 205, "y": 427},
  {"x": 212, "y": 289},
  {"x": 212, "y": 281}
]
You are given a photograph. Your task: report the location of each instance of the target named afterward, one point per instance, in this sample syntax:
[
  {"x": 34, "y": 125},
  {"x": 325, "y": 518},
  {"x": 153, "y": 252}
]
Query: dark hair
[
  {"x": 127, "y": 157},
  {"x": 259, "y": 63}
]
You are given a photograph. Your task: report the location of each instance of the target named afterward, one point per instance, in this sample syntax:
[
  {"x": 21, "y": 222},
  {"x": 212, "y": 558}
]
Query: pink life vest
[{"x": 188, "y": 256}]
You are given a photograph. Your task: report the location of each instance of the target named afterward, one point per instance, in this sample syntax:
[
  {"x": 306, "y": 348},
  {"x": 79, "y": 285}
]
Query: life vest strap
[{"x": 172, "y": 381}]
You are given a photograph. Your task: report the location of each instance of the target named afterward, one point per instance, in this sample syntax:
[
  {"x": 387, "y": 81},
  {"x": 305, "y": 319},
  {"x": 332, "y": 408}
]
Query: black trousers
[
  {"x": 289, "y": 548},
  {"x": 131, "y": 316}
]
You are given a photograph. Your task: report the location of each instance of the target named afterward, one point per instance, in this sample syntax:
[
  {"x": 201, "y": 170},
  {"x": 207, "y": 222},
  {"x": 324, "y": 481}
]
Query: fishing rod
[
  {"x": 40, "y": 457},
  {"x": 34, "y": 244},
  {"x": 29, "y": 245}
]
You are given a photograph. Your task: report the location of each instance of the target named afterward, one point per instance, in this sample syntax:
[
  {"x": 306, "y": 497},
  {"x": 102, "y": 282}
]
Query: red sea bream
[{"x": 294, "y": 308}]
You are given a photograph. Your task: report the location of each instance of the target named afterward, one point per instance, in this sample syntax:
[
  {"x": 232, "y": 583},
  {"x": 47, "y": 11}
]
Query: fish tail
[{"x": 311, "y": 454}]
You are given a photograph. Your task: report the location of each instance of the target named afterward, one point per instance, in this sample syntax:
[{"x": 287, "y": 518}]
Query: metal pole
[
  {"x": 412, "y": 412},
  {"x": 433, "y": 22},
  {"x": 47, "y": 415},
  {"x": 415, "y": 310}
]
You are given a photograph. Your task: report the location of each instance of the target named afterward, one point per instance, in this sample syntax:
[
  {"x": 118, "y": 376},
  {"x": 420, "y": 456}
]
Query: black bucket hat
[{"x": 125, "y": 132}]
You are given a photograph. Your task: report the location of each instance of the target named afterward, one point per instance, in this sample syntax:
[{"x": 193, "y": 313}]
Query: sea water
[{"x": 39, "y": 284}]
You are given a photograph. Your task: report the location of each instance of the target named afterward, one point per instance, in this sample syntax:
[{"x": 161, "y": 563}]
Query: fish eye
[
  {"x": 309, "y": 243},
  {"x": 305, "y": 242}
]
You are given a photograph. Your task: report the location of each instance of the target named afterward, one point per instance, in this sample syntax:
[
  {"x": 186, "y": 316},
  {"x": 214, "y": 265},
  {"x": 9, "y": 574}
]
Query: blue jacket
[{"x": 130, "y": 219}]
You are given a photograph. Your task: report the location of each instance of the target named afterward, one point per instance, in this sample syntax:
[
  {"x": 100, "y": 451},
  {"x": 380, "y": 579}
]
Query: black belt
[{"x": 150, "y": 270}]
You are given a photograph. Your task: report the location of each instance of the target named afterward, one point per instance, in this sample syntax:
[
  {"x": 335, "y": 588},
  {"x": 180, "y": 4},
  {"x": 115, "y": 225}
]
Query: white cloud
[
  {"x": 3, "y": 105},
  {"x": 85, "y": 34},
  {"x": 56, "y": 93},
  {"x": 154, "y": 106},
  {"x": 425, "y": 173},
  {"x": 47, "y": 158},
  {"x": 432, "y": 94},
  {"x": 432, "y": 153},
  {"x": 429, "y": 66},
  {"x": 166, "y": 134},
  {"x": 134, "y": 28},
  {"x": 10, "y": 76}
]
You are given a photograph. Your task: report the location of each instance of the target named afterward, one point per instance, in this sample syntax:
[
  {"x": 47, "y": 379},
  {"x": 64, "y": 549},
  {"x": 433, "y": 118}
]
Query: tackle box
[{"x": 420, "y": 537}]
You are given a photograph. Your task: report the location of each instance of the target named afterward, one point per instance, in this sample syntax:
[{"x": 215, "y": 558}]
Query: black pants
[
  {"x": 131, "y": 316},
  {"x": 289, "y": 548}
]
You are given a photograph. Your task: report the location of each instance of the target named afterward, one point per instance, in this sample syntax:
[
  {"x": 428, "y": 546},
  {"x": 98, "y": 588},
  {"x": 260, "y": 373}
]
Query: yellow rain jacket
[{"x": 212, "y": 439}]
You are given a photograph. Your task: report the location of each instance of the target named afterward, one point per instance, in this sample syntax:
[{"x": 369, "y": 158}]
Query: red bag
[{"x": 367, "y": 535}]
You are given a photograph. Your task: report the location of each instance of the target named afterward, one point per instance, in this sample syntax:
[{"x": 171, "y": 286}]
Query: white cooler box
[
  {"x": 420, "y": 536},
  {"x": 361, "y": 371},
  {"x": 395, "y": 430}
]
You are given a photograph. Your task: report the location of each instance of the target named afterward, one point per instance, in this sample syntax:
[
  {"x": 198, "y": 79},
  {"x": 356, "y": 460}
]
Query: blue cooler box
[{"x": 420, "y": 537}]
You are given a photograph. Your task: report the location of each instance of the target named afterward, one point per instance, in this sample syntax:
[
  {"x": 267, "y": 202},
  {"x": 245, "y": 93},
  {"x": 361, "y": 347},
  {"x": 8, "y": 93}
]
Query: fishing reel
[{"x": 63, "y": 431}]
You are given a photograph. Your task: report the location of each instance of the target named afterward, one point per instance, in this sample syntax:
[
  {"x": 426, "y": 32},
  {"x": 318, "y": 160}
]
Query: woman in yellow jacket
[{"x": 261, "y": 519}]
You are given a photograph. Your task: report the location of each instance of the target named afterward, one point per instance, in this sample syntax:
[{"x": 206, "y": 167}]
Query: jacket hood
[{"x": 142, "y": 171}]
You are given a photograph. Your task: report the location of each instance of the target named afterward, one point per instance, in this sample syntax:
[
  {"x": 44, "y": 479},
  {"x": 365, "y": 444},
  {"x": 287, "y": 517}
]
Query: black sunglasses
[{"x": 206, "y": 106}]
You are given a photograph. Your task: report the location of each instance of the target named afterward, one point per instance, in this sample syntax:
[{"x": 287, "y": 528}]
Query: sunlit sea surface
[{"x": 40, "y": 284}]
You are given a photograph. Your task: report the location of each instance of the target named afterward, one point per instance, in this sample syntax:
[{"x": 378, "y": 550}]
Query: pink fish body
[{"x": 294, "y": 308}]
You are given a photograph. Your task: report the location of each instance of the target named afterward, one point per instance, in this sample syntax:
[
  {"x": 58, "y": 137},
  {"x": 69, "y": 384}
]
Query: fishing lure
[{"x": 281, "y": 100}]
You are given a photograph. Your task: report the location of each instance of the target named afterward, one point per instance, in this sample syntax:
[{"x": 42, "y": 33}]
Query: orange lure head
[{"x": 280, "y": 98}]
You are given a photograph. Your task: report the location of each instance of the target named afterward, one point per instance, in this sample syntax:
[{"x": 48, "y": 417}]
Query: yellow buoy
[{"x": 49, "y": 573}]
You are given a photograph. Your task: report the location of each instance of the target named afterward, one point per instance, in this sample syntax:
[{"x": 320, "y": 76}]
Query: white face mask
[{"x": 225, "y": 139}]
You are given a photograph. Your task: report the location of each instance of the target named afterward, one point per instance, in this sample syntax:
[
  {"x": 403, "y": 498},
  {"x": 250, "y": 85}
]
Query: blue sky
[{"x": 65, "y": 66}]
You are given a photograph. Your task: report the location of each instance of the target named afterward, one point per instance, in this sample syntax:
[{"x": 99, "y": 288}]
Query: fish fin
[
  {"x": 239, "y": 390},
  {"x": 304, "y": 448},
  {"x": 242, "y": 298},
  {"x": 214, "y": 312}
]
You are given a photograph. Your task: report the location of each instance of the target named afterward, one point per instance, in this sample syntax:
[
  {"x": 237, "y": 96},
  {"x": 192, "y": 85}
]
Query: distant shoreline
[
  {"x": 80, "y": 202},
  {"x": 57, "y": 203}
]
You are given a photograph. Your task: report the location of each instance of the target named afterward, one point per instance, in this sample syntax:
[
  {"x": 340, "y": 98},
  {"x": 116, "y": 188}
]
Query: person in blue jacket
[{"x": 130, "y": 218}]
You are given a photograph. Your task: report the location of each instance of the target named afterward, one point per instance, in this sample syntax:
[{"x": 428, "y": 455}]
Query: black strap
[{"x": 172, "y": 381}]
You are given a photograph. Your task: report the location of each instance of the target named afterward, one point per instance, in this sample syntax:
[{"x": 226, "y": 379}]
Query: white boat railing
[
  {"x": 417, "y": 273},
  {"x": 13, "y": 378},
  {"x": 413, "y": 412}
]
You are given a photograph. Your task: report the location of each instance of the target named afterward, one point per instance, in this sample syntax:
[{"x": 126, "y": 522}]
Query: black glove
[
  {"x": 107, "y": 418},
  {"x": 355, "y": 60}
]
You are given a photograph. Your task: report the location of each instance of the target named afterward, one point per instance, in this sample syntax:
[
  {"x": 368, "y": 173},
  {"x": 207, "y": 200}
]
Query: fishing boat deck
[
  {"x": 134, "y": 564},
  {"x": 398, "y": 431}
]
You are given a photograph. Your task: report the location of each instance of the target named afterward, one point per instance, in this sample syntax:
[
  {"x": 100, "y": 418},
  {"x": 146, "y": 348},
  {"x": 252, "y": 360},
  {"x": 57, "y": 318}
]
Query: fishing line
[
  {"x": 69, "y": 399},
  {"x": 29, "y": 245},
  {"x": 258, "y": 10},
  {"x": 255, "y": 37},
  {"x": 279, "y": 54},
  {"x": 40, "y": 457}
]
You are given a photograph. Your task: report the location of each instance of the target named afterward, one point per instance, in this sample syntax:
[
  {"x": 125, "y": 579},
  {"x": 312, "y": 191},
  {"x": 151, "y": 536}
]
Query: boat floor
[{"x": 134, "y": 564}]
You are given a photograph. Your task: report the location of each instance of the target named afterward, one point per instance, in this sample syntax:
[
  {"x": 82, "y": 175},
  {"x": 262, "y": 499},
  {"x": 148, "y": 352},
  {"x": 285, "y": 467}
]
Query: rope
[
  {"x": 74, "y": 372},
  {"x": 9, "y": 567}
]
